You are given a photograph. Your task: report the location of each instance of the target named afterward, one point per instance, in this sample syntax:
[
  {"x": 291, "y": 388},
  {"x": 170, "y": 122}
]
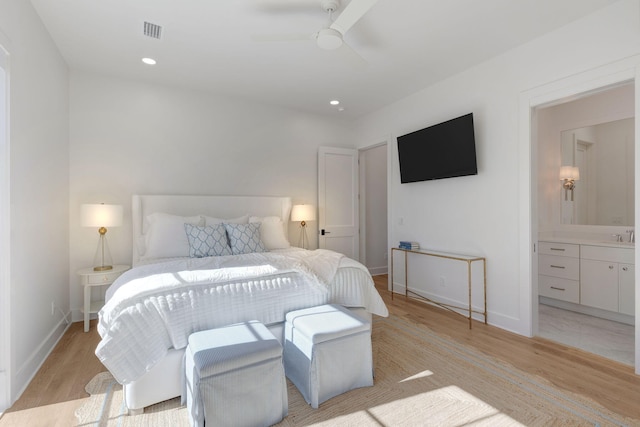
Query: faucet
[
  {"x": 632, "y": 236},
  {"x": 618, "y": 237}
]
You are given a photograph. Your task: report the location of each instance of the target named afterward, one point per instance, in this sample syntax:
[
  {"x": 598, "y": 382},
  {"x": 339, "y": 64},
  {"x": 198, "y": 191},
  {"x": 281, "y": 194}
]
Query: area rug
[{"x": 421, "y": 379}]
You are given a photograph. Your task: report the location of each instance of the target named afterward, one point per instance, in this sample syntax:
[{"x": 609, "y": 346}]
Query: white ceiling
[{"x": 207, "y": 45}]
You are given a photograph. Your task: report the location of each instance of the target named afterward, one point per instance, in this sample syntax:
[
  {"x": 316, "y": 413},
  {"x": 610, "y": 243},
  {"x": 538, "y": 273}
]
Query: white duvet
[{"x": 155, "y": 307}]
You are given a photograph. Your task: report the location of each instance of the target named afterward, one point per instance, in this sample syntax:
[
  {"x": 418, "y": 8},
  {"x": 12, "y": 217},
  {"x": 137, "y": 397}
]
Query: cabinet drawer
[
  {"x": 562, "y": 289},
  {"x": 561, "y": 249},
  {"x": 105, "y": 278},
  {"x": 559, "y": 266}
]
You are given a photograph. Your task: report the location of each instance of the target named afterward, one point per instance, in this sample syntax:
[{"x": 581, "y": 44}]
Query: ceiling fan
[{"x": 331, "y": 37}]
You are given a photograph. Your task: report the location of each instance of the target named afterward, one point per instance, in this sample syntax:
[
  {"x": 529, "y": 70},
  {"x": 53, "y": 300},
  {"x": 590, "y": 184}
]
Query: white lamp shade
[
  {"x": 101, "y": 215},
  {"x": 569, "y": 172},
  {"x": 303, "y": 213}
]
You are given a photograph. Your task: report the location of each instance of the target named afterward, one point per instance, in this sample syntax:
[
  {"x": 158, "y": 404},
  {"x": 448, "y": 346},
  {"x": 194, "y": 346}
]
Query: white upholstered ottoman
[
  {"x": 327, "y": 352},
  {"x": 235, "y": 377}
]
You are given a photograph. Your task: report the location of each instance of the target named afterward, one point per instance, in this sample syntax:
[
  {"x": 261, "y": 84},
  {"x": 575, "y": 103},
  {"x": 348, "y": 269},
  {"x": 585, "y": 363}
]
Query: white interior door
[{"x": 338, "y": 200}]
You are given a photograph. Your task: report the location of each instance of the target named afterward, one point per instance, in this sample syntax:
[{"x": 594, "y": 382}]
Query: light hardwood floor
[{"x": 58, "y": 388}]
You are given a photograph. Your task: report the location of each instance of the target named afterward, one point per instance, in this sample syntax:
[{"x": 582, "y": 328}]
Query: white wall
[
  {"x": 480, "y": 214},
  {"x": 39, "y": 190},
  {"x": 129, "y": 137}
]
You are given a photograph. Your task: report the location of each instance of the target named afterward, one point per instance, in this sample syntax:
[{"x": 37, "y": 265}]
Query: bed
[{"x": 207, "y": 261}]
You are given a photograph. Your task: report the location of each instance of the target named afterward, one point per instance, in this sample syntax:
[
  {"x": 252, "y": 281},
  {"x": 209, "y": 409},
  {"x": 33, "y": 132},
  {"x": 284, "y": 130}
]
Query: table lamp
[{"x": 303, "y": 213}]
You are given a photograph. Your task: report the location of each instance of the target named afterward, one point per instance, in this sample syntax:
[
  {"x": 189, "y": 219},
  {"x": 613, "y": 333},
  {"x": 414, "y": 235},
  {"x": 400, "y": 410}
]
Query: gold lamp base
[
  {"x": 303, "y": 239},
  {"x": 102, "y": 260}
]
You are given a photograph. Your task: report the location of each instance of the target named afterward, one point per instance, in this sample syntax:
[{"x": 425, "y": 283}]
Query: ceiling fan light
[{"x": 329, "y": 39}]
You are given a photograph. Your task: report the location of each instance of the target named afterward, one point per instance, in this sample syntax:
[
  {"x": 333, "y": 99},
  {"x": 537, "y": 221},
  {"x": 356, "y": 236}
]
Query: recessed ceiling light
[
  {"x": 334, "y": 102},
  {"x": 149, "y": 61},
  {"x": 341, "y": 109}
]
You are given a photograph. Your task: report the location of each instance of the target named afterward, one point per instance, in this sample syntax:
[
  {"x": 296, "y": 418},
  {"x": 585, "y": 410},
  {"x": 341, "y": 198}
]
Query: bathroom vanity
[{"x": 596, "y": 276}]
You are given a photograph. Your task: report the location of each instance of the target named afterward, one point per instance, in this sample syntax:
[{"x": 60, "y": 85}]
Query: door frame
[{"x": 556, "y": 92}]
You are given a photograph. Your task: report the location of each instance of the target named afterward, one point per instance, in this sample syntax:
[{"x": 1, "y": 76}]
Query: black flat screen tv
[{"x": 445, "y": 150}]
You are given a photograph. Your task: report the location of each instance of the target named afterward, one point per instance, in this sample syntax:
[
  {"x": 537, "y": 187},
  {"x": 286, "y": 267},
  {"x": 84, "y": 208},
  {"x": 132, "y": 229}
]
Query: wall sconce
[
  {"x": 303, "y": 213},
  {"x": 101, "y": 216},
  {"x": 568, "y": 176}
]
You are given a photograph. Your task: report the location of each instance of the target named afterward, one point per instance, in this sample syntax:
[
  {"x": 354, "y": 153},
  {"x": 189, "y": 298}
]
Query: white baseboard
[
  {"x": 376, "y": 271},
  {"x": 78, "y": 316},
  {"x": 498, "y": 320},
  {"x": 30, "y": 367}
]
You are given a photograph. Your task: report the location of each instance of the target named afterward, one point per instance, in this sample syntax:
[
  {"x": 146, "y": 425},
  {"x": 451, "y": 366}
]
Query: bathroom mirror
[{"x": 604, "y": 155}]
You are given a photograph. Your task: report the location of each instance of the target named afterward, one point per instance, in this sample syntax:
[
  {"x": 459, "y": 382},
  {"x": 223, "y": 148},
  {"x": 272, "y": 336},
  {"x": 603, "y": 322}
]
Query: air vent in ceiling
[{"x": 152, "y": 30}]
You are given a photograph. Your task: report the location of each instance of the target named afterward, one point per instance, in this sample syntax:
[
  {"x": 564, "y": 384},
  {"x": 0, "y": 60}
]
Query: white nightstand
[{"x": 90, "y": 278}]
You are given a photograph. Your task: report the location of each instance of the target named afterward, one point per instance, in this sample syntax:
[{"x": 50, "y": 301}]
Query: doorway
[
  {"x": 353, "y": 203},
  {"x": 558, "y": 218},
  {"x": 374, "y": 245}
]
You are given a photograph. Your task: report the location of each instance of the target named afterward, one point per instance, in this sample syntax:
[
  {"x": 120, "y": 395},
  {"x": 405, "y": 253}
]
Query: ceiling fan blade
[
  {"x": 280, "y": 37},
  {"x": 351, "y": 14},
  {"x": 351, "y": 57}
]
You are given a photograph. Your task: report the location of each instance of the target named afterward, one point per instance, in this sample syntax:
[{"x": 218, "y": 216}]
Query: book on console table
[{"x": 409, "y": 245}]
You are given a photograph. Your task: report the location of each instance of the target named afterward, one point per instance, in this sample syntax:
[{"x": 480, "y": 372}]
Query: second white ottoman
[{"x": 327, "y": 352}]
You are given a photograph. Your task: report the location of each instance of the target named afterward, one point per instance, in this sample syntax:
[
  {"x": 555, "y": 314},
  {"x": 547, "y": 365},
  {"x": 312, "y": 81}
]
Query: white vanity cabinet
[
  {"x": 607, "y": 278},
  {"x": 559, "y": 271},
  {"x": 590, "y": 276}
]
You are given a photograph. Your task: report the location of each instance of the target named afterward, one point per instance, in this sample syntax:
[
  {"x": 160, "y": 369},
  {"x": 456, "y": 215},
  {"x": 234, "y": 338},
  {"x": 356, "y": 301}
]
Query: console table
[{"x": 468, "y": 259}]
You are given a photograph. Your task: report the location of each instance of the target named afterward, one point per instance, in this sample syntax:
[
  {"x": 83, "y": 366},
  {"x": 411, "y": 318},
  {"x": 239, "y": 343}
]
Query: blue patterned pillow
[
  {"x": 207, "y": 241},
  {"x": 244, "y": 238}
]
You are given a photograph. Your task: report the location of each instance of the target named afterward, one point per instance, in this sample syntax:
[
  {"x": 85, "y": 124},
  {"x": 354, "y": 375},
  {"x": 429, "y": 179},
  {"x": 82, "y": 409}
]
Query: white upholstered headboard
[{"x": 215, "y": 206}]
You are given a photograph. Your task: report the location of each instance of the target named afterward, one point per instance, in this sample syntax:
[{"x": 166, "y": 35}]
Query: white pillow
[
  {"x": 166, "y": 237},
  {"x": 272, "y": 232},
  {"x": 210, "y": 220}
]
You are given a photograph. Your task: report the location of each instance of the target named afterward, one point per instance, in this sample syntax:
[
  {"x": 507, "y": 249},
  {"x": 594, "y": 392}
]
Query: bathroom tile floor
[{"x": 610, "y": 339}]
